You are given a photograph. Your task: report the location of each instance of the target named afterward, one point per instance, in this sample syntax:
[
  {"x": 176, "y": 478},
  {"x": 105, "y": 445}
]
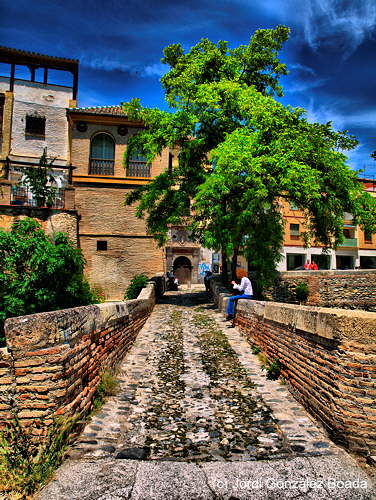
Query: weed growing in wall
[
  {"x": 302, "y": 292},
  {"x": 27, "y": 461},
  {"x": 107, "y": 386},
  {"x": 273, "y": 369},
  {"x": 255, "y": 349}
]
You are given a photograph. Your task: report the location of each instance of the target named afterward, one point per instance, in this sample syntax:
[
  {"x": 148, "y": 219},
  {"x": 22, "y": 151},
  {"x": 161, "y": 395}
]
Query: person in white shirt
[{"x": 245, "y": 287}]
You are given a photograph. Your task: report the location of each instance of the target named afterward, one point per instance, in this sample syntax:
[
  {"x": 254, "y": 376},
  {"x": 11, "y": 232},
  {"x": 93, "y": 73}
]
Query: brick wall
[
  {"x": 346, "y": 289},
  {"x": 53, "y": 360},
  {"x": 328, "y": 358}
]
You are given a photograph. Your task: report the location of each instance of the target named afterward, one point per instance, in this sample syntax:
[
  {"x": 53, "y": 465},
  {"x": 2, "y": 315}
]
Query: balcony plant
[{"x": 38, "y": 179}]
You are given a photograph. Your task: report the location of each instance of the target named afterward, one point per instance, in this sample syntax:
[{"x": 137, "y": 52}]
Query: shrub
[
  {"x": 38, "y": 274},
  {"x": 137, "y": 283},
  {"x": 302, "y": 292}
]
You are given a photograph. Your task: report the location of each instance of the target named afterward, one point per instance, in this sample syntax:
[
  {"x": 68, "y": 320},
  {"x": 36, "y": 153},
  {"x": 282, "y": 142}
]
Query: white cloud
[
  {"x": 156, "y": 69},
  {"x": 329, "y": 22},
  {"x": 302, "y": 67},
  {"x": 301, "y": 87},
  {"x": 106, "y": 63},
  {"x": 324, "y": 113}
]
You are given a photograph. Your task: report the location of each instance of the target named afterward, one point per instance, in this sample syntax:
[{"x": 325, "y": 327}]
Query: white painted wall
[{"x": 49, "y": 101}]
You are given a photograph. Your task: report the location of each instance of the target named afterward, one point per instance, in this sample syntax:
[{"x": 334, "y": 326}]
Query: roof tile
[{"x": 100, "y": 110}]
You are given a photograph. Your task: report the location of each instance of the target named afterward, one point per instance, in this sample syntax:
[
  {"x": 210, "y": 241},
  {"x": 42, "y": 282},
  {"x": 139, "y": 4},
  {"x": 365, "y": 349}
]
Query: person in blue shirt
[{"x": 245, "y": 287}]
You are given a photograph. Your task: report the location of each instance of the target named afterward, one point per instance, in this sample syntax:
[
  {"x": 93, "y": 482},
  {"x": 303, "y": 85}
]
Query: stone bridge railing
[
  {"x": 328, "y": 359},
  {"x": 349, "y": 289},
  {"x": 53, "y": 360}
]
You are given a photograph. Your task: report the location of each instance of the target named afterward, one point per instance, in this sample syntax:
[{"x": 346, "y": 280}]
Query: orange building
[{"x": 357, "y": 251}]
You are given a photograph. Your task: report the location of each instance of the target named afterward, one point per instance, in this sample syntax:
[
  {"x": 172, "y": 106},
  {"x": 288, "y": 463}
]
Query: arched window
[
  {"x": 102, "y": 155},
  {"x": 138, "y": 166}
]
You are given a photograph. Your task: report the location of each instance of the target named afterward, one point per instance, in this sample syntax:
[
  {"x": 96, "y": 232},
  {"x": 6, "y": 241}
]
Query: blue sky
[{"x": 331, "y": 52}]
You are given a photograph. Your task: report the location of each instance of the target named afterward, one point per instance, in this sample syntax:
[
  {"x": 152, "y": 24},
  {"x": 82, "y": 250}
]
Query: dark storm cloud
[{"x": 330, "y": 53}]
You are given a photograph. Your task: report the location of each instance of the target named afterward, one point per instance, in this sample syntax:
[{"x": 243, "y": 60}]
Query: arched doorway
[{"x": 183, "y": 269}]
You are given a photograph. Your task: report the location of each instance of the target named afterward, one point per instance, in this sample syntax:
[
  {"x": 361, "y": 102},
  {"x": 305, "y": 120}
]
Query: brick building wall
[
  {"x": 346, "y": 289},
  {"x": 328, "y": 359},
  {"x": 53, "y": 360},
  {"x": 124, "y": 249}
]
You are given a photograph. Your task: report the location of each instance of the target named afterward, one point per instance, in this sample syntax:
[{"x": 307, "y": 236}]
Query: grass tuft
[
  {"x": 107, "y": 386},
  {"x": 28, "y": 461}
]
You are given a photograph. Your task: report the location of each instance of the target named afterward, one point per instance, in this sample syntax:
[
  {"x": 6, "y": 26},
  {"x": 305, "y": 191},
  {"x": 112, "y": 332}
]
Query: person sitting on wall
[
  {"x": 245, "y": 286},
  {"x": 307, "y": 265},
  {"x": 314, "y": 266},
  {"x": 176, "y": 283}
]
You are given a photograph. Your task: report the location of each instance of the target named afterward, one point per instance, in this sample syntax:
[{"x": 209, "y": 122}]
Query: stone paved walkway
[{"x": 195, "y": 417}]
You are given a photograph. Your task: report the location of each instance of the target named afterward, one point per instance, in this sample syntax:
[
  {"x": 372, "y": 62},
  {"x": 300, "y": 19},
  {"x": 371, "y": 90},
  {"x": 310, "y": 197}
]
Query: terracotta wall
[
  {"x": 53, "y": 360},
  {"x": 328, "y": 359}
]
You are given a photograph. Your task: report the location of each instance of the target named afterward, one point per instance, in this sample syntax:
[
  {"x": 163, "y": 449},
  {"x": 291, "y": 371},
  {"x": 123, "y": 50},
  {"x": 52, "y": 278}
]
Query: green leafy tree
[
  {"x": 37, "y": 178},
  {"x": 38, "y": 274},
  {"x": 241, "y": 152}
]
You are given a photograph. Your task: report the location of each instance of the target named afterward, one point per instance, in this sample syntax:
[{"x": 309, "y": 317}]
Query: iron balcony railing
[
  {"x": 349, "y": 242},
  {"x": 101, "y": 167},
  {"x": 21, "y": 195},
  {"x": 138, "y": 169}
]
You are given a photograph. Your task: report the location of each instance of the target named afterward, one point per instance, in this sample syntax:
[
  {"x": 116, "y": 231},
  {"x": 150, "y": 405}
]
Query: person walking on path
[{"x": 245, "y": 287}]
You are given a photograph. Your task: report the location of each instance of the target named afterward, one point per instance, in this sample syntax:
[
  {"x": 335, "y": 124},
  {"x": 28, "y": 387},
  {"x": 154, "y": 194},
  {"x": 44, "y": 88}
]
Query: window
[
  {"x": 294, "y": 231},
  {"x": 295, "y": 261},
  {"x": 367, "y": 236},
  {"x": 101, "y": 245},
  {"x": 138, "y": 166},
  {"x": 293, "y": 206},
  {"x": 102, "y": 155},
  {"x": 35, "y": 125},
  {"x": 2, "y": 101},
  {"x": 344, "y": 262},
  {"x": 323, "y": 261}
]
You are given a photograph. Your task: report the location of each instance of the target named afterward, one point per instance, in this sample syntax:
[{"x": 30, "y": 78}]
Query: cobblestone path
[
  {"x": 196, "y": 419},
  {"x": 191, "y": 390}
]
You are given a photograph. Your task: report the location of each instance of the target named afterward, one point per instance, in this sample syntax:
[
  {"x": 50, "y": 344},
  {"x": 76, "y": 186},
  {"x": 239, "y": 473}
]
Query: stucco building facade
[{"x": 112, "y": 238}]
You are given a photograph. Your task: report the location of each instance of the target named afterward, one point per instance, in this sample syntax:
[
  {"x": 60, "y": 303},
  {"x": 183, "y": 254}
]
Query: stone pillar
[{"x": 7, "y": 127}]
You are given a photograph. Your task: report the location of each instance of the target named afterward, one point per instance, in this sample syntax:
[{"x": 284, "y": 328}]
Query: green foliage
[
  {"x": 302, "y": 292},
  {"x": 273, "y": 369},
  {"x": 27, "y": 461},
  {"x": 241, "y": 153},
  {"x": 137, "y": 283},
  {"x": 37, "y": 178},
  {"x": 38, "y": 274},
  {"x": 255, "y": 349},
  {"x": 107, "y": 386}
]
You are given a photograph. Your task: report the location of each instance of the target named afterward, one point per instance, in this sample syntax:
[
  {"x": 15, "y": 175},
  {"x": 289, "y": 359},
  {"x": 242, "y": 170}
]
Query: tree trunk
[
  {"x": 234, "y": 262},
  {"x": 224, "y": 268}
]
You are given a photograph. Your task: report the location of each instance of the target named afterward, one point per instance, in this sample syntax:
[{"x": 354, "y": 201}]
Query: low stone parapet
[
  {"x": 328, "y": 359},
  {"x": 350, "y": 289},
  {"x": 53, "y": 360}
]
